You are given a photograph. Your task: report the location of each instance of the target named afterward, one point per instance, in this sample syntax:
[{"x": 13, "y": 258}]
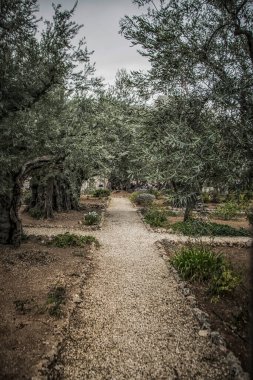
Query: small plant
[
  {"x": 224, "y": 281},
  {"x": 133, "y": 196},
  {"x": 92, "y": 218},
  {"x": 145, "y": 199},
  {"x": 206, "y": 197},
  {"x": 156, "y": 218},
  {"x": 199, "y": 263},
  {"x": 196, "y": 263},
  {"x": 35, "y": 213},
  {"x": 194, "y": 227},
  {"x": 227, "y": 211},
  {"x": 100, "y": 193},
  {"x": 24, "y": 306},
  {"x": 72, "y": 240},
  {"x": 249, "y": 214},
  {"x": 56, "y": 297}
]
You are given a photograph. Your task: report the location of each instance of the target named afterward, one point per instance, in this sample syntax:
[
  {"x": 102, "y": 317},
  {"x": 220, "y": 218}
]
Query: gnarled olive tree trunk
[
  {"x": 10, "y": 223},
  {"x": 53, "y": 192}
]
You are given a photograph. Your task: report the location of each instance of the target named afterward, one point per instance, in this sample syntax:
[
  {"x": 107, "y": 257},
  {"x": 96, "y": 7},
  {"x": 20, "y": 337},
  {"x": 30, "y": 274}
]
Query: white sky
[{"x": 101, "y": 26}]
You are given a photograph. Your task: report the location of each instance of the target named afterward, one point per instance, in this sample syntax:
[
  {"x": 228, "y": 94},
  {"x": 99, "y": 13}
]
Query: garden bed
[
  {"x": 72, "y": 219},
  {"x": 39, "y": 285},
  {"x": 229, "y": 313}
]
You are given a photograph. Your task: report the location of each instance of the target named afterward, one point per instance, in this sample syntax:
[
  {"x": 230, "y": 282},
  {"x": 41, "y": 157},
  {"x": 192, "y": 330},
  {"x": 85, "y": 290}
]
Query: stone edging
[{"x": 236, "y": 371}]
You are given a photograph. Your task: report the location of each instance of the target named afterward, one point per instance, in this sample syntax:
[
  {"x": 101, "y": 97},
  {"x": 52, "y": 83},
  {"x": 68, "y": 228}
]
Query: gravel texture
[{"x": 133, "y": 322}]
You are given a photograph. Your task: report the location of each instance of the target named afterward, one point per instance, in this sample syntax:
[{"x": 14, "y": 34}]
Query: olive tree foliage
[
  {"x": 38, "y": 71},
  {"x": 201, "y": 57}
]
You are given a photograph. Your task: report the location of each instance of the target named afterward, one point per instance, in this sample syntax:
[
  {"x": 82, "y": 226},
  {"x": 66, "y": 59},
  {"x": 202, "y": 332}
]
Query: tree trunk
[
  {"x": 10, "y": 224},
  {"x": 53, "y": 193},
  {"x": 187, "y": 212}
]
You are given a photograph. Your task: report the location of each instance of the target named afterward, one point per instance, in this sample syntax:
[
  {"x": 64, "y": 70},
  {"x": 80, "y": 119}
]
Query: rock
[
  {"x": 203, "y": 333},
  {"x": 77, "y": 299}
]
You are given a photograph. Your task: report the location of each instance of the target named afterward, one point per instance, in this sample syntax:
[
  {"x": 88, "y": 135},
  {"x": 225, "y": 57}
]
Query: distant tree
[{"x": 200, "y": 55}]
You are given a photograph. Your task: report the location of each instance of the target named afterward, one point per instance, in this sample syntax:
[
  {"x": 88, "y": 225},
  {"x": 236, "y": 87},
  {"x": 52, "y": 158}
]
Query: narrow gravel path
[{"x": 133, "y": 323}]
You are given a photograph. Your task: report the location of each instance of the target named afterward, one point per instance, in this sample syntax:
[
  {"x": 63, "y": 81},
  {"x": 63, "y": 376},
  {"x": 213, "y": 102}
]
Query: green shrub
[
  {"x": 56, "y": 297},
  {"x": 206, "y": 197},
  {"x": 133, "y": 196},
  {"x": 199, "y": 263},
  {"x": 35, "y": 213},
  {"x": 227, "y": 211},
  {"x": 72, "y": 240},
  {"x": 26, "y": 197},
  {"x": 156, "y": 218},
  {"x": 154, "y": 192},
  {"x": 145, "y": 199},
  {"x": 100, "y": 193},
  {"x": 200, "y": 228},
  {"x": 91, "y": 218},
  {"x": 196, "y": 263},
  {"x": 226, "y": 280},
  {"x": 249, "y": 214}
]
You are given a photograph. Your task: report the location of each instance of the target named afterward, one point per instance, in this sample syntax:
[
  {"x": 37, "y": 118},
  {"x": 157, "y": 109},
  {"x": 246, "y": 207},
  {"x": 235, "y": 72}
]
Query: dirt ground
[
  {"x": 29, "y": 323},
  {"x": 230, "y": 315}
]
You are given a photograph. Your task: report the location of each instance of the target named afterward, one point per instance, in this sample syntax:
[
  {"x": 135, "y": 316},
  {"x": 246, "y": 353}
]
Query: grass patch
[
  {"x": 227, "y": 211},
  {"x": 194, "y": 227},
  {"x": 56, "y": 298},
  {"x": 72, "y": 240},
  {"x": 200, "y": 264}
]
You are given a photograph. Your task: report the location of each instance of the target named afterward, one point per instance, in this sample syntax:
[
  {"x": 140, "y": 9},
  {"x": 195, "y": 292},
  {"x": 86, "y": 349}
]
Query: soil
[
  {"x": 28, "y": 331},
  {"x": 230, "y": 314}
]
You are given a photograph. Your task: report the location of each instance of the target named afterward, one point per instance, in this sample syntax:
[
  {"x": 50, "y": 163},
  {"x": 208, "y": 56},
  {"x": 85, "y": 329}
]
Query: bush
[
  {"x": 145, "y": 199},
  {"x": 26, "y": 197},
  {"x": 197, "y": 227},
  {"x": 156, "y": 218},
  {"x": 100, "y": 193},
  {"x": 227, "y": 211},
  {"x": 199, "y": 263},
  {"x": 91, "y": 218},
  {"x": 196, "y": 263},
  {"x": 72, "y": 240},
  {"x": 35, "y": 213},
  {"x": 249, "y": 214},
  {"x": 206, "y": 197}
]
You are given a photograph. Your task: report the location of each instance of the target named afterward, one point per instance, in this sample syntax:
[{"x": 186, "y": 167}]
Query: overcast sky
[{"x": 101, "y": 27}]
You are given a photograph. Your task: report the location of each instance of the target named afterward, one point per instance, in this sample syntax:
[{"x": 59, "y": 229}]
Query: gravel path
[{"x": 133, "y": 322}]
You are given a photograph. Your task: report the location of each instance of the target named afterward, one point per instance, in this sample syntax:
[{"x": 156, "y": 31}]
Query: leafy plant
[
  {"x": 35, "y": 213},
  {"x": 56, "y": 297},
  {"x": 194, "y": 227},
  {"x": 206, "y": 197},
  {"x": 145, "y": 199},
  {"x": 227, "y": 211},
  {"x": 199, "y": 263},
  {"x": 91, "y": 218},
  {"x": 100, "y": 193},
  {"x": 224, "y": 281},
  {"x": 249, "y": 214},
  {"x": 72, "y": 240},
  {"x": 156, "y": 218},
  {"x": 196, "y": 263}
]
